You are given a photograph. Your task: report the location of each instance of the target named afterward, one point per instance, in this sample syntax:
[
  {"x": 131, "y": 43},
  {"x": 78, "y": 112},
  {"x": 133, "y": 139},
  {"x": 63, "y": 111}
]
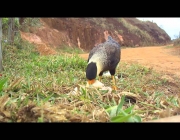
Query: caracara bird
[{"x": 103, "y": 57}]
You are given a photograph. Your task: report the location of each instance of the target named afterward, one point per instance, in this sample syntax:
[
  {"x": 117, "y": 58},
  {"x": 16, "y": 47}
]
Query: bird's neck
[
  {"x": 91, "y": 71},
  {"x": 96, "y": 60}
]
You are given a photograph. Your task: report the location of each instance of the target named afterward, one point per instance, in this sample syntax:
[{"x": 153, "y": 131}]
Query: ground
[{"x": 160, "y": 58}]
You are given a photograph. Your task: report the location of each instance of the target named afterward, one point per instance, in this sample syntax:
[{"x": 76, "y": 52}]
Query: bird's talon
[{"x": 114, "y": 88}]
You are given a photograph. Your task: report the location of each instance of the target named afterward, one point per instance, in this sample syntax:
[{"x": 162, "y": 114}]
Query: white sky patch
[{"x": 170, "y": 25}]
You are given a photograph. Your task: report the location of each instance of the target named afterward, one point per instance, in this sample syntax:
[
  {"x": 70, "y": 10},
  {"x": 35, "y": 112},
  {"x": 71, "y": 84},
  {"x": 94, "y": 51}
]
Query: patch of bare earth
[
  {"x": 158, "y": 58},
  {"x": 41, "y": 47}
]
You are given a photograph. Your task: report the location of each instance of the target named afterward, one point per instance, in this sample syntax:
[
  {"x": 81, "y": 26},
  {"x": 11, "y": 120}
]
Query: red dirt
[
  {"x": 42, "y": 48},
  {"x": 87, "y": 33},
  {"x": 160, "y": 58}
]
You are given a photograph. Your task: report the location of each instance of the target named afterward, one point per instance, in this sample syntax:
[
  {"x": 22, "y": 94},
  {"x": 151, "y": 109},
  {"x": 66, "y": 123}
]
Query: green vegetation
[
  {"x": 135, "y": 30},
  {"x": 176, "y": 42},
  {"x": 143, "y": 33},
  {"x": 175, "y": 49},
  {"x": 30, "y": 22},
  {"x": 67, "y": 49},
  {"x": 42, "y": 89},
  {"x": 117, "y": 114},
  {"x": 167, "y": 47}
]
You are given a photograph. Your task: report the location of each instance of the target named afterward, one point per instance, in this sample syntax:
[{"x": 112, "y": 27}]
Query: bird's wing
[
  {"x": 111, "y": 48},
  {"x": 113, "y": 52}
]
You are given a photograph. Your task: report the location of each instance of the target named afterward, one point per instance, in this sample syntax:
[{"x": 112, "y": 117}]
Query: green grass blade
[
  {"x": 120, "y": 105},
  {"x": 129, "y": 109},
  {"x": 111, "y": 108},
  {"x": 121, "y": 119},
  {"x": 122, "y": 113},
  {"x": 136, "y": 118},
  {"x": 2, "y": 82},
  {"x": 111, "y": 111}
]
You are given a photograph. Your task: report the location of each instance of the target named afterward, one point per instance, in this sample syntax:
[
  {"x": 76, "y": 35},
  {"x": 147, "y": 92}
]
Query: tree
[
  {"x": 21, "y": 23},
  {"x": 21, "y": 20},
  {"x": 11, "y": 30},
  {"x": 1, "y": 67}
]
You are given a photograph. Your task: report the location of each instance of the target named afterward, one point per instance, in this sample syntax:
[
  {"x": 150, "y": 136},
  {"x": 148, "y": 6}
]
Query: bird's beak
[{"x": 90, "y": 82}]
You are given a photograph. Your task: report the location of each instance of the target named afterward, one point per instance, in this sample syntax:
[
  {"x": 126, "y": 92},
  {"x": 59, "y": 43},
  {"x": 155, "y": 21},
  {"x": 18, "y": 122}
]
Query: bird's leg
[
  {"x": 112, "y": 72},
  {"x": 114, "y": 83},
  {"x": 100, "y": 76}
]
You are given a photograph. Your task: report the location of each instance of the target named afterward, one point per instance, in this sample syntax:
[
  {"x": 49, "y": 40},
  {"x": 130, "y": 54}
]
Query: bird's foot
[
  {"x": 100, "y": 78},
  {"x": 114, "y": 88}
]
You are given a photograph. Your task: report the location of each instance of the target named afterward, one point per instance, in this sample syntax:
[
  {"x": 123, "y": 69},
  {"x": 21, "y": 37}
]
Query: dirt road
[{"x": 160, "y": 58}]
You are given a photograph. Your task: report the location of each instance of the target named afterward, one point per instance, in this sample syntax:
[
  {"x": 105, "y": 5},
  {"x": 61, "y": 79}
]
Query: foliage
[
  {"x": 2, "y": 83},
  {"x": 176, "y": 42},
  {"x": 117, "y": 114},
  {"x": 30, "y": 22},
  {"x": 70, "y": 50},
  {"x": 5, "y": 25}
]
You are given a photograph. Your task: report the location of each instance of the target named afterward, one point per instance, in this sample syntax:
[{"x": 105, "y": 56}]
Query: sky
[{"x": 170, "y": 25}]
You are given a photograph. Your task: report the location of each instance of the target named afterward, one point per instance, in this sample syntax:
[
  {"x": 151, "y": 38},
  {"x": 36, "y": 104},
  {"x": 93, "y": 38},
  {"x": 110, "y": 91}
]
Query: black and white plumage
[{"x": 103, "y": 57}]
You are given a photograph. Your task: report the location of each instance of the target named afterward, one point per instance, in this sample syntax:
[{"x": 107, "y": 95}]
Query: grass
[
  {"x": 176, "y": 42},
  {"x": 168, "y": 47},
  {"x": 30, "y": 22},
  {"x": 70, "y": 50},
  {"x": 135, "y": 30},
  {"x": 175, "y": 49},
  {"x": 37, "y": 88}
]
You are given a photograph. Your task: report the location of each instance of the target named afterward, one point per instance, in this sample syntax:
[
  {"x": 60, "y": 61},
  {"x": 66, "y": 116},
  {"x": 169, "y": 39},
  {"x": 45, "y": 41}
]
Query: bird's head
[
  {"x": 91, "y": 72},
  {"x": 93, "y": 69},
  {"x": 109, "y": 37}
]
